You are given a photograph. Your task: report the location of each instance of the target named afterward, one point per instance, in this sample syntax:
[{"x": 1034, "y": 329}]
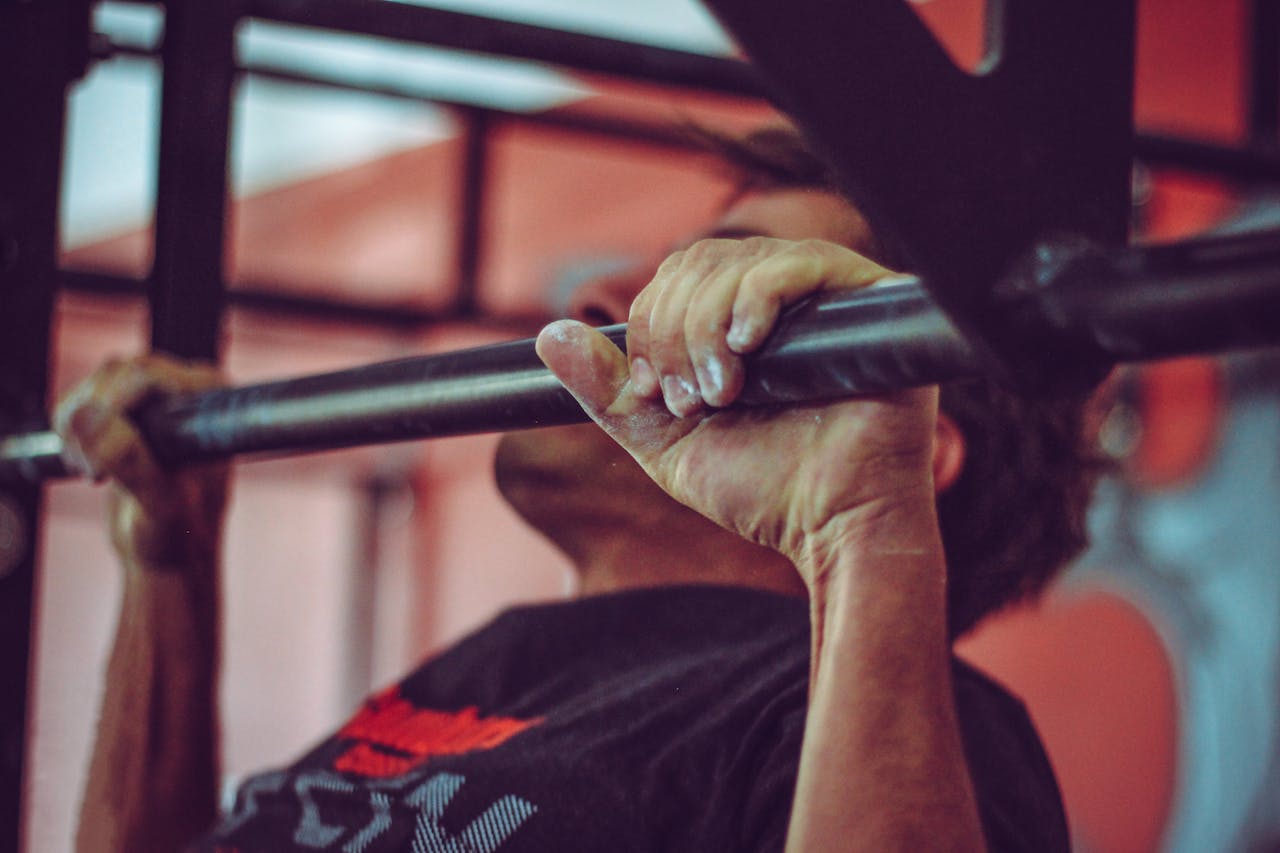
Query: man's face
[{"x": 582, "y": 456}]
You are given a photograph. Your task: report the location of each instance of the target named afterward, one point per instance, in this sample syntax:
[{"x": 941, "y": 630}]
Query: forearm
[
  {"x": 153, "y": 775},
  {"x": 882, "y": 765}
]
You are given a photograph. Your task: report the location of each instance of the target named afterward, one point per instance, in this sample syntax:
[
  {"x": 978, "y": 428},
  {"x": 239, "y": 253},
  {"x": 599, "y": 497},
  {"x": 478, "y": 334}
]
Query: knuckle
[
  {"x": 638, "y": 316},
  {"x": 670, "y": 264},
  {"x": 701, "y": 249},
  {"x": 710, "y": 249},
  {"x": 757, "y": 282}
]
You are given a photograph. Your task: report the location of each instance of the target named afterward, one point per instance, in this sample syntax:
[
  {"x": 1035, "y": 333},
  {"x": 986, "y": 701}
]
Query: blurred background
[{"x": 410, "y": 182}]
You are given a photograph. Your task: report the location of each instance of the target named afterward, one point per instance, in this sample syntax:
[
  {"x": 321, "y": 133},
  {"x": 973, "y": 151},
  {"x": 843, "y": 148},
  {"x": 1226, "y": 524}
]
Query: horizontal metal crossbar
[{"x": 1207, "y": 295}]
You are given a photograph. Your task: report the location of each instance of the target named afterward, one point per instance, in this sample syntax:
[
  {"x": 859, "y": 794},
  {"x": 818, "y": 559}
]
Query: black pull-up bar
[
  {"x": 843, "y": 344},
  {"x": 1200, "y": 296}
]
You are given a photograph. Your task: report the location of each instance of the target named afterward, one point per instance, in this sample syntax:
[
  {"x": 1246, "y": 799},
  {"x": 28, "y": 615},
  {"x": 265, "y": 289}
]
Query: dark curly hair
[{"x": 1016, "y": 514}]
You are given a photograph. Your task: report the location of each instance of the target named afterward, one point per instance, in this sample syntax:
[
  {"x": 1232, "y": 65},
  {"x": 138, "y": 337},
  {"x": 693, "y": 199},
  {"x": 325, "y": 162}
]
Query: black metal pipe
[
  {"x": 1236, "y": 163},
  {"x": 43, "y": 48},
  {"x": 843, "y": 344},
  {"x": 1201, "y": 296},
  {"x": 571, "y": 119},
  {"x": 274, "y": 300},
  {"x": 472, "y": 192},
  {"x": 1264, "y": 73},
  {"x": 1247, "y": 162},
  {"x": 459, "y": 31},
  {"x": 187, "y": 281}
]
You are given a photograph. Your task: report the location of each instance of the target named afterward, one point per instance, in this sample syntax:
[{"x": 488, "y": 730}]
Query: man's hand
[
  {"x": 160, "y": 519},
  {"x": 787, "y": 478},
  {"x": 845, "y": 490},
  {"x": 153, "y": 777}
]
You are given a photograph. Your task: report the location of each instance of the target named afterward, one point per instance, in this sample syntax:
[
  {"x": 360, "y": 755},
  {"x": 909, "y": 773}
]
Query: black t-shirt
[{"x": 665, "y": 719}]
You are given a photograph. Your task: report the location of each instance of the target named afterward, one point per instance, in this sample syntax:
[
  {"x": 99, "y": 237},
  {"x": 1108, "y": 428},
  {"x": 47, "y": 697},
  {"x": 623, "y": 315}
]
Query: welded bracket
[{"x": 965, "y": 175}]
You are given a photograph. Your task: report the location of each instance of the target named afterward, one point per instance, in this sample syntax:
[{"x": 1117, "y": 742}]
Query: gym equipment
[{"x": 1208, "y": 295}]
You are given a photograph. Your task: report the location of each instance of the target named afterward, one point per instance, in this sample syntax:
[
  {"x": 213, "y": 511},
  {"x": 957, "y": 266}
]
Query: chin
[
  {"x": 555, "y": 458},
  {"x": 573, "y": 446},
  {"x": 566, "y": 470}
]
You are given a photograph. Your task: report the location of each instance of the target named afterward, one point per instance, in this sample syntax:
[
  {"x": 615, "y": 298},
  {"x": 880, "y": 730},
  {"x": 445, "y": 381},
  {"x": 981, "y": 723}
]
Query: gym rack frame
[{"x": 1040, "y": 287}]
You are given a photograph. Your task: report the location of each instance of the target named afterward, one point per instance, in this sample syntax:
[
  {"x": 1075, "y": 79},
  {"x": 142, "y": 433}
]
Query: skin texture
[
  {"x": 153, "y": 776},
  {"x": 835, "y": 502},
  {"x": 844, "y": 491}
]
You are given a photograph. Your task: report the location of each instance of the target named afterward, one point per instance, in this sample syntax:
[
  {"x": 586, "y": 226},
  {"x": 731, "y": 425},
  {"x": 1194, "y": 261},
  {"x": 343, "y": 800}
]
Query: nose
[{"x": 607, "y": 300}]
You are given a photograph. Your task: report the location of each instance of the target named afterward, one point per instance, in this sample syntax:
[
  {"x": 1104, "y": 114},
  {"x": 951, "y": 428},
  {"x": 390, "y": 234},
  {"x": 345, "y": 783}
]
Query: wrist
[
  {"x": 881, "y": 571},
  {"x": 194, "y": 560},
  {"x": 897, "y": 530},
  {"x": 166, "y": 542}
]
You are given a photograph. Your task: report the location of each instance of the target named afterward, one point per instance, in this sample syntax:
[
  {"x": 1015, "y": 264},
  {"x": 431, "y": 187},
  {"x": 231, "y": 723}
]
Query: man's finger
[
  {"x": 586, "y": 362},
  {"x": 595, "y": 372}
]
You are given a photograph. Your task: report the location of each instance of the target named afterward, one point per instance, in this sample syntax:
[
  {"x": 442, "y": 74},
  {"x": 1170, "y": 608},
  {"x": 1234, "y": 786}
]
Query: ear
[{"x": 948, "y": 454}]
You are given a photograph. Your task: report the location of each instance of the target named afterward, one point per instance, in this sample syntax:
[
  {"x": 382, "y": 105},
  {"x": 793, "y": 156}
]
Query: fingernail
[
  {"x": 562, "y": 331},
  {"x": 680, "y": 394},
  {"x": 740, "y": 334},
  {"x": 711, "y": 379},
  {"x": 643, "y": 380}
]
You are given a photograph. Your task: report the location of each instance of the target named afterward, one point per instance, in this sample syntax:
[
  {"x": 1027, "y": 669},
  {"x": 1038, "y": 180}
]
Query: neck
[
  {"x": 679, "y": 551},
  {"x": 577, "y": 488}
]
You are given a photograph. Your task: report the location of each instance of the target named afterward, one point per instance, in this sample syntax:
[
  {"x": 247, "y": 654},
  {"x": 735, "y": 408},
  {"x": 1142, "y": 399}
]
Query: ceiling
[{"x": 283, "y": 133}]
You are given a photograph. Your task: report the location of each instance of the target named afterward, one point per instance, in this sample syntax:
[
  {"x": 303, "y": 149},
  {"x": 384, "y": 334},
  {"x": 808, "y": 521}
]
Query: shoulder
[{"x": 1014, "y": 782}]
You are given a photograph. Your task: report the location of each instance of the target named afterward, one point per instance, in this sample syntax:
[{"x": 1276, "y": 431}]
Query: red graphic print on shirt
[{"x": 392, "y": 736}]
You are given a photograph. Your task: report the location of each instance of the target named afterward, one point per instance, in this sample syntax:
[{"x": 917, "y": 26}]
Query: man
[{"x": 764, "y": 660}]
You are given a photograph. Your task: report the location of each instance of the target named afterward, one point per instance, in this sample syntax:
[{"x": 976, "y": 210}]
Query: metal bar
[
  {"x": 191, "y": 190},
  {"x": 1238, "y": 163},
  {"x": 570, "y": 119},
  {"x": 1264, "y": 73},
  {"x": 1247, "y": 163},
  {"x": 471, "y": 195},
  {"x": 272, "y": 300},
  {"x": 1199, "y": 296},
  {"x": 892, "y": 336},
  {"x": 43, "y": 47},
  {"x": 442, "y": 28},
  {"x": 1207, "y": 295}
]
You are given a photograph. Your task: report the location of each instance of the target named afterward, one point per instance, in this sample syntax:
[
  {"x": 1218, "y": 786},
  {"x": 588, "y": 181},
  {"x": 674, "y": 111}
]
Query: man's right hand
[{"x": 161, "y": 519}]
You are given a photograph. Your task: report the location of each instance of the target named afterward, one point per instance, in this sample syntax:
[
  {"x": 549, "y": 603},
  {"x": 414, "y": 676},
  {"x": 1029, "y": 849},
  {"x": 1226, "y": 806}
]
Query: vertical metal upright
[
  {"x": 187, "y": 284},
  {"x": 1263, "y": 96},
  {"x": 474, "y": 184},
  {"x": 43, "y": 48}
]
